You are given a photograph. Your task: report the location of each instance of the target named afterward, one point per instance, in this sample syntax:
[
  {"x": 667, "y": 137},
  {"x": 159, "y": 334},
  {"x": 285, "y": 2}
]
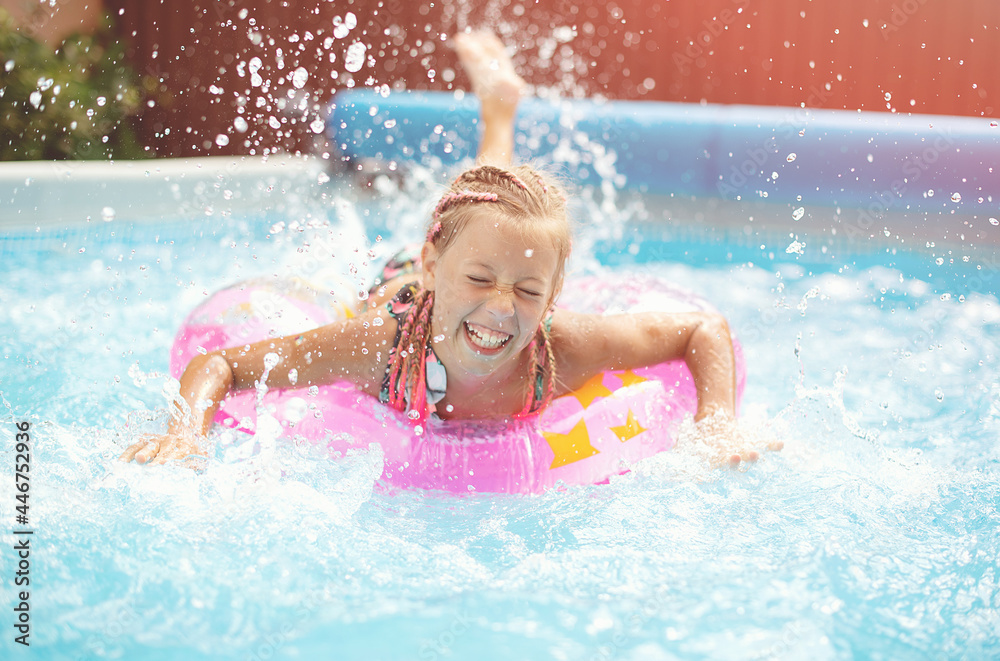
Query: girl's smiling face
[{"x": 492, "y": 287}]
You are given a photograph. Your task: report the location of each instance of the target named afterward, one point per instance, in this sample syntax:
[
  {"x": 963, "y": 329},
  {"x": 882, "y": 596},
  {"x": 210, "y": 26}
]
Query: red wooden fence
[{"x": 921, "y": 56}]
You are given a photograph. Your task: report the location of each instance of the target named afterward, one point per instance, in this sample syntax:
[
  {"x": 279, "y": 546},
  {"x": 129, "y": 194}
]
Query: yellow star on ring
[
  {"x": 630, "y": 429},
  {"x": 591, "y": 390},
  {"x": 570, "y": 447},
  {"x": 629, "y": 378}
]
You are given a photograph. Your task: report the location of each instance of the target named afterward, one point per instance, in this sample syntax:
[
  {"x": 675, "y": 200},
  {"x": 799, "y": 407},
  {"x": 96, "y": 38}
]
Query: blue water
[{"x": 873, "y": 534}]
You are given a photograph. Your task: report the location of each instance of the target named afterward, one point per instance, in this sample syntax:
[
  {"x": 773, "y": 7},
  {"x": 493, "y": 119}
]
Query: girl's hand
[
  {"x": 161, "y": 448},
  {"x": 728, "y": 444}
]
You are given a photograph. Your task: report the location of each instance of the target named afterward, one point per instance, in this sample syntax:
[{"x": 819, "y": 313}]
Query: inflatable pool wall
[{"x": 882, "y": 161}]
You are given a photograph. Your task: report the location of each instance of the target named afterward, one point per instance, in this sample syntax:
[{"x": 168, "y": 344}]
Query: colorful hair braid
[
  {"x": 541, "y": 372},
  {"x": 408, "y": 362}
]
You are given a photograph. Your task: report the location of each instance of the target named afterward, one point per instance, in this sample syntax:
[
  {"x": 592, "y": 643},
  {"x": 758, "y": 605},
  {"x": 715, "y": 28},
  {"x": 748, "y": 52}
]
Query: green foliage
[{"x": 79, "y": 102}]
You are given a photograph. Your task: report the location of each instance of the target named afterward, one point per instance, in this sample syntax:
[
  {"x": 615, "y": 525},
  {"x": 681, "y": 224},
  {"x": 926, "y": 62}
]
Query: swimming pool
[{"x": 874, "y": 533}]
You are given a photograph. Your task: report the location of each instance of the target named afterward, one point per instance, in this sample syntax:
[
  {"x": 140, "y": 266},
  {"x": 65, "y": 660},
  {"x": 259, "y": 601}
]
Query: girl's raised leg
[{"x": 499, "y": 90}]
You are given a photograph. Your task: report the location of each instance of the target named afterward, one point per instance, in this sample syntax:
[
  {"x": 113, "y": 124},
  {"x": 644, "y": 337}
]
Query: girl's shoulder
[{"x": 579, "y": 344}]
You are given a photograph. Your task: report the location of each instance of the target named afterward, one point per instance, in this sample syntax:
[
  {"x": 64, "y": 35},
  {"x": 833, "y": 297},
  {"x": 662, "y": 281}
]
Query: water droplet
[
  {"x": 270, "y": 360},
  {"x": 871, "y": 158},
  {"x": 278, "y": 227},
  {"x": 355, "y": 57},
  {"x": 9, "y": 66},
  {"x": 791, "y": 157},
  {"x": 888, "y": 96},
  {"x": 202, "y": 350},
  {"x": 449, "y": 408},
  {"x": 300, "y": 77},
  {"x": 313, "y": 391},
  {"x": 529, "y": 252},
  {"x": 35, "y": 98},
  {"x": 243, "y": 14},
  {"x": 363, "y": 295},
  {"x": 222, "y": 139},
  {"x": 930, "y": 192},
  {"x": 939, "y": 394},
  {"x": 273, "y": 122},
  {"x": 993, "y": 124},
  {"x": 377, "y": 321},
  {"x": 107, "y": 214},
  {"x": 774, "y": 175},
  {"x": 240, "y": 125},
  {"x": 390, "y": 123},
  {"x": 939, "y": 261},
  {"x": 438, "y": 338},
  {"x": 798, "y": 213},
  {"x": 413, "y": 414},
  {"x": 886, "y": 231},
  {"x": 795, "y": 247},
  {"x": 994, "y": 221},
  {"x": 293, "y": 376},
  {"x": 945, "y": 296},
  {"x": 956, "y": 197},
  {"x": 317, "y": 125}
]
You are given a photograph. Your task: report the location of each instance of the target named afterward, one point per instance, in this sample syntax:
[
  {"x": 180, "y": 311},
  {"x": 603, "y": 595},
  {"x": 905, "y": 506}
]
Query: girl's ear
[{"x": 428, "y": 264}]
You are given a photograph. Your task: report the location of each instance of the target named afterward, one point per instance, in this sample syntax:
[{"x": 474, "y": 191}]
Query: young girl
[{"x": 468, "y": 328}]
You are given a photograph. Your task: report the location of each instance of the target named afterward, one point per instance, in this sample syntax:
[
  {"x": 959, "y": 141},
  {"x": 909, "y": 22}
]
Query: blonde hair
[{"x": 532, "y": 202}]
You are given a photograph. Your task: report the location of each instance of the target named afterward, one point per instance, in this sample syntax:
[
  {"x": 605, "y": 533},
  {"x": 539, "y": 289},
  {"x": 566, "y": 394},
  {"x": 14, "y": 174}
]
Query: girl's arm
[
  {"x": 588, "y": 344},
  {"x": 355, "y": 350}
]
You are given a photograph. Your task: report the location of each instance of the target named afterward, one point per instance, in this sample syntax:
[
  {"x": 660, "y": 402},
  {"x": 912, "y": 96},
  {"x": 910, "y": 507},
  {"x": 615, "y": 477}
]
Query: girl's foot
[{"x": 492, "y": 73}]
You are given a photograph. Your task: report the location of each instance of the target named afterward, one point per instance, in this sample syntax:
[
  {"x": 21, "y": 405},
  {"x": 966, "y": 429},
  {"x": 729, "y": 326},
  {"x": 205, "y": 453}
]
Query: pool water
[{"x": 873, "y": 534}]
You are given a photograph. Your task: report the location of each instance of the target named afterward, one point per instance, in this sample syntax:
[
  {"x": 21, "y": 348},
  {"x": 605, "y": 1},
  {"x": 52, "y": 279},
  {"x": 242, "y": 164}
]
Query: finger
[
  {"x": 130, "y": 451},
  {"x": 752, "y": 455},
  {"x": 176, "y": 453},
  {"x": 148, "y": 451}
]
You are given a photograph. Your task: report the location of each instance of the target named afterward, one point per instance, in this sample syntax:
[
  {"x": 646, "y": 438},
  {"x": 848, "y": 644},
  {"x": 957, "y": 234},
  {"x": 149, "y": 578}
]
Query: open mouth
[{"x": 484, "y": 338}]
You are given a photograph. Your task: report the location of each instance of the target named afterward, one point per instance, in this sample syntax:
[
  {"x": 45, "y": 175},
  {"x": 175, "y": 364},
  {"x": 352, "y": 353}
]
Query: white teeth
[{"x": 485, "y": 338}]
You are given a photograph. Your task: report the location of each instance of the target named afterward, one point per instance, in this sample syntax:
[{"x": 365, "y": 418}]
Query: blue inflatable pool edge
[{"x": 869, "y": 160}]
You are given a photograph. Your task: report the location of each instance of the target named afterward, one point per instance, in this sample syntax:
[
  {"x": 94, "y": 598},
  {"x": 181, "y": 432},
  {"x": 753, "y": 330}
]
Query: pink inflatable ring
[{"x": 617, "y": 418}]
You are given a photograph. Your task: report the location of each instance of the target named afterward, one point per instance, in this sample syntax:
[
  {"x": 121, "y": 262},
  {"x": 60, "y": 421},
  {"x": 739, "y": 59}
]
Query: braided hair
[{"x": 522, "y": 196}]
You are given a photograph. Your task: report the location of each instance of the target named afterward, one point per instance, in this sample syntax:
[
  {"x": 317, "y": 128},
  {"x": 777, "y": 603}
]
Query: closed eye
[
  {"x": 529, "y": 292},
  {"x": 478, "y": 280}
]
